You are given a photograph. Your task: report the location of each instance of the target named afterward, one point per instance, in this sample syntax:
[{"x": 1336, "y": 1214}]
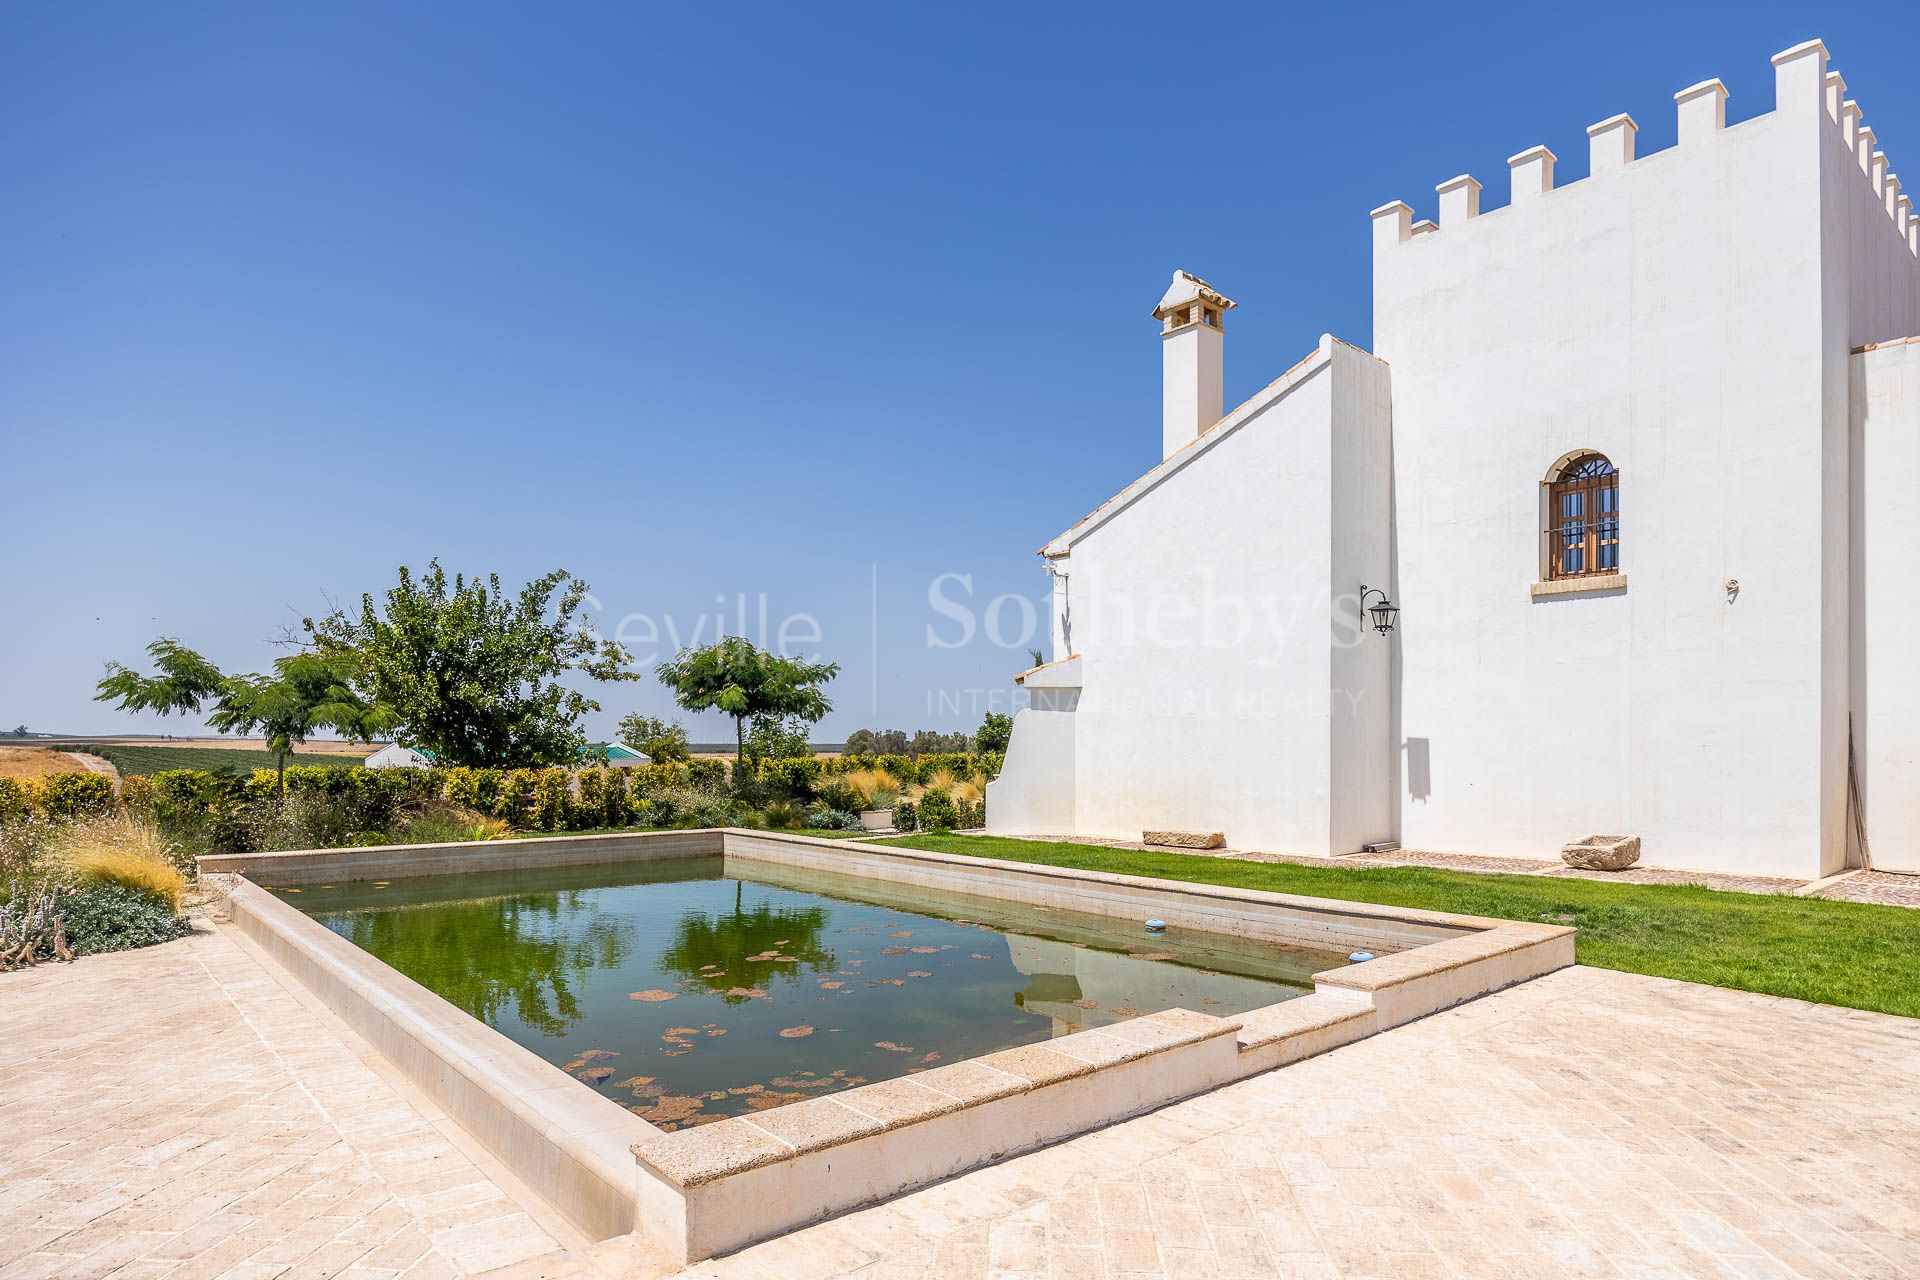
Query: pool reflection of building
[{"x": 1060, "y": 973}]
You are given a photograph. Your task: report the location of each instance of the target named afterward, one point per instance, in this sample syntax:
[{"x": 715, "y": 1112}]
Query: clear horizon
[{"x": 835, "y": 315}]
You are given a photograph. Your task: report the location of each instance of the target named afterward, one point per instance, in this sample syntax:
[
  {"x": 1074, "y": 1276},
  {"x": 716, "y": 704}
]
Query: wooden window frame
[{"x": 1598, "y": 520}]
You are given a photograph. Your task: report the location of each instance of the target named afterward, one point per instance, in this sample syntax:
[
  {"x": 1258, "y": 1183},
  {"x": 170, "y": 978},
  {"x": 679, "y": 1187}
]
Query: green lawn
[
  {"x": 158, "y": 759},
  {"x": 1845, "y": 953}
]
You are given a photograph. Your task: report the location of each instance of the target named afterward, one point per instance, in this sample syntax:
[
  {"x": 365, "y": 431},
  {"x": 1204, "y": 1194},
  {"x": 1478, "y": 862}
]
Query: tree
[
  {"x": 882, "y": 742},
  {"x": 994, "y": 733},
  {"x": 664, "y": 741},
  {"x": 306, "y": 692},
  {"x": 931, "y": 742},
  {"x": 473, "y": 674},
  {"x": 738, "y": 677},
  {"x": 779, "y": 737}
]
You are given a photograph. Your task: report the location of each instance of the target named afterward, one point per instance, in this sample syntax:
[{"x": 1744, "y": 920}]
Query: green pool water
[{"x": 690, "y": 995}]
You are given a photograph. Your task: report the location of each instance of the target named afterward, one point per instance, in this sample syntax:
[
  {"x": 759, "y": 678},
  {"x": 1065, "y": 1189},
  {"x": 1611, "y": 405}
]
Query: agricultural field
[
  {"x": 35, "y": 762},
  {"x": 145, "y": 758}
]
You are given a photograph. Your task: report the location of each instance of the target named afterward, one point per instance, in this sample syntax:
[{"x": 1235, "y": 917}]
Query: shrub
[
  {"x": 443, "y": 822},
  {"x": 824, "y": 817},
  {"x": 187, "y": 794},
  {"x": 957, "y": 763},
  {"x": 474, "y": 788},
  {"x": 136, "y": 795},
  {"x": 514, "y": 803},
  {"x": 991, "y": 763},
  {"x": 16, "y": 801},
  {"x": 836, "y": 794},
  {"x": 937, "y": 811},
  {"x": 25, "y": 851},
  {"x": 707, "y": 773},
  {"x": 798, "y": 775},
  {"x": 906, "y": 817},
  {"x": 552, "y": 798},
  {"x": 73, "y": 795},
  {"x": 590, "y": 797},
  {"x": 124, "y": 852},
  {"x": 784, "y": 813},
  {"x": 107, "y": 916}
]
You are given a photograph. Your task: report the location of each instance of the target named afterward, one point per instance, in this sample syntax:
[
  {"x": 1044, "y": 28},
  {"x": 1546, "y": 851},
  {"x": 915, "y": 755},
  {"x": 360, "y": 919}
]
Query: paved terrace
[{"x": 182, "y": 1112}]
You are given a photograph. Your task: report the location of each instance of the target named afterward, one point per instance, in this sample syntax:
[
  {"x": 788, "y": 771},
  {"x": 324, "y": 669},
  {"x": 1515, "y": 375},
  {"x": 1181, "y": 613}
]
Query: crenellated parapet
[{"x": 1802, "y": 83}]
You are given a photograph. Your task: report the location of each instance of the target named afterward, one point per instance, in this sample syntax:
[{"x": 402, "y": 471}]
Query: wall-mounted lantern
[{"x": 1384, "y": 611}]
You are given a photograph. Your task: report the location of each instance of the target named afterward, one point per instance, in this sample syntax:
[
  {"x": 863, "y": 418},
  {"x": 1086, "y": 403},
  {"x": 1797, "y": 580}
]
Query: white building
[
  {"x": 1629, "y": 454},
  {"x": 395, "y": 756}
]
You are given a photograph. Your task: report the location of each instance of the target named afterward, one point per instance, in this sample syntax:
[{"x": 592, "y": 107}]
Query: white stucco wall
[
  {"x": 1886, "y": 425},
  {"x": 1034, "y": 794},
  {"x": 1694, "y": 315},
  {"x": 1209, "y": 606},
  {"x": 1668, "y": 315}
]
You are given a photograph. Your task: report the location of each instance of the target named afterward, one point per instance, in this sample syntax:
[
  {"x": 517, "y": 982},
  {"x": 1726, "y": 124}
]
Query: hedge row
[
  {"x": 57, "y": 795},
  {"x": 549, "y": 799}
]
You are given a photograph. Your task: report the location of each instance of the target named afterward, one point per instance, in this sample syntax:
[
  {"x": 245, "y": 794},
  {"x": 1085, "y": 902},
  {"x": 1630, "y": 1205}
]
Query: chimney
[{"x": 1192, "y": 320}]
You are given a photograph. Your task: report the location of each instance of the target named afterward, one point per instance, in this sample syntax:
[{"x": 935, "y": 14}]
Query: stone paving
[
  {"x": 1590, "y": 1123},
  {"x": 177, "y": 1112},
  {"x": 180, "y": 1112}
]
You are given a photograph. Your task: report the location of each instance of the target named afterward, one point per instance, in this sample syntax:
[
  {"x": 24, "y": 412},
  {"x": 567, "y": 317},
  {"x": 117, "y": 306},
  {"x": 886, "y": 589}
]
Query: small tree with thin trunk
[
  {"x": 306, "y": 692},
  {"x": 743, "y": 680}
]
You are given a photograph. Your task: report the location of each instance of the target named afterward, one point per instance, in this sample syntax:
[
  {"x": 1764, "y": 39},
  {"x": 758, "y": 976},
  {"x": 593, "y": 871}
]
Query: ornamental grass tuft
[{"x": 122, "y": 851}]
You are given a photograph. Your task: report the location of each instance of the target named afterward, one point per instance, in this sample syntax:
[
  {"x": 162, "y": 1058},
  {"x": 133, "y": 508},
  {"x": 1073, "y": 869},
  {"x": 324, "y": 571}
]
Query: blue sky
[{"x": 809, "y": 304}]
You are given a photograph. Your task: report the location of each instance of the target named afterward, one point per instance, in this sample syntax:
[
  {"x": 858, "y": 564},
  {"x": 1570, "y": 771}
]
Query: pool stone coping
[
  {"x": 706, "y": 1152},
  {"x": 712, "y": 1187}
]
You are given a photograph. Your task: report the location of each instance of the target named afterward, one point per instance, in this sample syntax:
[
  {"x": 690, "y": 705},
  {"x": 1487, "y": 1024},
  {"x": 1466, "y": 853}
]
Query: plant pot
[{"x": 877, "y": 819}]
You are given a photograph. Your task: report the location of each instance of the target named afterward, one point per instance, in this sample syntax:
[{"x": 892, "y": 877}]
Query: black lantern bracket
[{"x": 1385, "y": 612}]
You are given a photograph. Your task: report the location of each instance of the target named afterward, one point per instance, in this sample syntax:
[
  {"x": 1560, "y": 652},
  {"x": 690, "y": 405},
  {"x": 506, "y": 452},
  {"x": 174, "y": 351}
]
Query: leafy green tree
[
  {"x": 745, "y": 681},
  {"x": 665, "y": 741},
  {"x": 472, "y": 673},
  {"x": 779, "y": 737},
  {"x": 994, "y": 733},
  {"x": 305, "y": 693},
  {"x": 877, "y": 742},
  {"x": 931, "y": 742}
]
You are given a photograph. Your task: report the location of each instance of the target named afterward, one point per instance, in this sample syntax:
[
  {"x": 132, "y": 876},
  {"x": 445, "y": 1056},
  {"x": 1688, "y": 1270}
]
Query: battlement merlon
[{"x": 1802, "y": 84}]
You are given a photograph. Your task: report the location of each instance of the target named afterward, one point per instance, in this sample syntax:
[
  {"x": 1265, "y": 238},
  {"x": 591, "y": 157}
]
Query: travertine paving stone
[
  {"x": 177, "y": 1112},
  {"x": 1587, "y": 1124}
]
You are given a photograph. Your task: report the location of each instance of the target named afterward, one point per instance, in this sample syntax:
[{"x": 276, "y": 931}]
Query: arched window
[{"x": 1583, "y": 519}]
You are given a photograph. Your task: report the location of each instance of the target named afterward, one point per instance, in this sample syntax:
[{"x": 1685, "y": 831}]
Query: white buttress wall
[
  {"x": 1886, "y": 435},
  {"x": 1365, "y": 758},
  {"x": 1667, "y": 313}
]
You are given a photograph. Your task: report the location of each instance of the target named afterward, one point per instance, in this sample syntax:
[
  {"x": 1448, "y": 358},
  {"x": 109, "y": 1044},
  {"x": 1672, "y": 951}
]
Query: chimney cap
[
  {"x": 1621, "y": 121},
  {"x": 1800, "y": 50},
  {"x": 1702, "y": 89},
  {"x": 1186, "y": 289}
]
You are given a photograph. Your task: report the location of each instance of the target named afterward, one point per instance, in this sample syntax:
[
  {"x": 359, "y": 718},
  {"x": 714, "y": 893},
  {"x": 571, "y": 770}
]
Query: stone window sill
[{"x": 1599, "y": 584}]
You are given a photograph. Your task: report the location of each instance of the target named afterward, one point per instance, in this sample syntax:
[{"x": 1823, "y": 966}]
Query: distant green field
[{"x": 157, "y": 759}]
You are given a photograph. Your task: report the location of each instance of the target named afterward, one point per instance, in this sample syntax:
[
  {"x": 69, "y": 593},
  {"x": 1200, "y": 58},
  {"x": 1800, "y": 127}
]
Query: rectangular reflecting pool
[{"x": 690, "y": 995}]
